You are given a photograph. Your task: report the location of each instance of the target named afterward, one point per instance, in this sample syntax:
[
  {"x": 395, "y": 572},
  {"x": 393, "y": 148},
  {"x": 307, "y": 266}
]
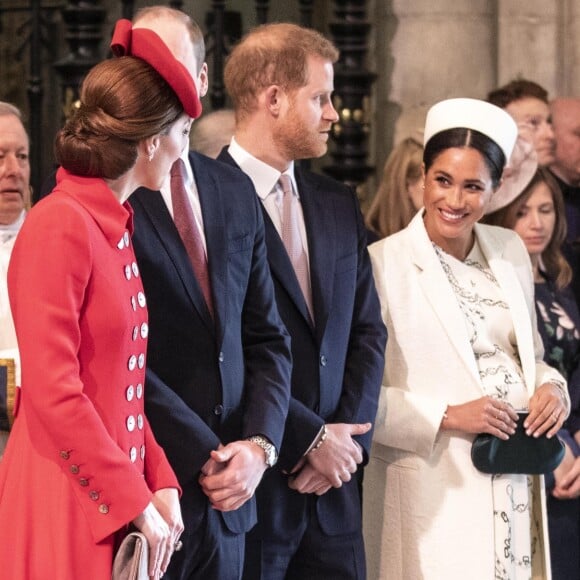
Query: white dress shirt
[{"x": 265, "y": 179}]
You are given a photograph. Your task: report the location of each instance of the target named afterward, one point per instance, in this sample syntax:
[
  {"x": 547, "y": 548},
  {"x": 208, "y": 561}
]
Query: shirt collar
[{"x": 263, "y": 176}]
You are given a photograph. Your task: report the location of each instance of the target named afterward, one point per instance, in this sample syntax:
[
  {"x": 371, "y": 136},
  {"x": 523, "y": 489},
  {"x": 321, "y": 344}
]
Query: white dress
[{"x": 491, "y": 335}]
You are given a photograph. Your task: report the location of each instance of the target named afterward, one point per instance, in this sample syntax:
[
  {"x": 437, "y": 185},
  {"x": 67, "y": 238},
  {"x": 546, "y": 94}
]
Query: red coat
[{"x": 81, "y": 461}]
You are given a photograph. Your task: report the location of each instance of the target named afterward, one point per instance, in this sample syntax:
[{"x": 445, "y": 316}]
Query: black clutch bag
[{"x": 519, "y": 454}]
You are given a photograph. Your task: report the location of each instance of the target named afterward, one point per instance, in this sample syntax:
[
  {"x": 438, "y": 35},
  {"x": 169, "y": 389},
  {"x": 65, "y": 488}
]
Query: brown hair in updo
[{"x": 123, "y": 101}]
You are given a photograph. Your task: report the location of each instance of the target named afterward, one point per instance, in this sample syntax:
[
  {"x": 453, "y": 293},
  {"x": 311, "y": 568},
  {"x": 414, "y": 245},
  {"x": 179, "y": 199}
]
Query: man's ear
[
  {"x": 273, "y": 99},
  {"x": 203, "y": 80}
]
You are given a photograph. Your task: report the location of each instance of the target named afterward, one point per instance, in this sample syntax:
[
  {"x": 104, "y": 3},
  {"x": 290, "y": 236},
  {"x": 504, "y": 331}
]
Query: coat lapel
[
  {"x": 439, "y": 294},
  {"x": 510, "y": 285}
]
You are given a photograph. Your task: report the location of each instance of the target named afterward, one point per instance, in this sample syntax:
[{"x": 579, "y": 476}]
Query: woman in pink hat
[
  {"x": 536, "y": 212},
  {"x": 463, "y": 355}
]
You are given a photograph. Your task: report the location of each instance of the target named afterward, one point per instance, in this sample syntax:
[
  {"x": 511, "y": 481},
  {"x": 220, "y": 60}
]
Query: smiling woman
[{"x": 467, "y": 291}]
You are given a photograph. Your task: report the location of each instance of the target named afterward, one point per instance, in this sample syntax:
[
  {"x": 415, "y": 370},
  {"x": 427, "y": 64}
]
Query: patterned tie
[
  {"x": 189, "y": 231},
  {"x": 292, "y": 240}
]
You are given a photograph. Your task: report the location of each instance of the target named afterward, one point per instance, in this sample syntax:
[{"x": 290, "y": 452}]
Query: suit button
[
  {"x": 322, "y": 360},
  {"x": 126, "y": 238},
  {"x": 221, "y": 357},
  {"x": 135, "y": 269},
  {"x": 139, "y": 390},
  {"x": 141, "y": 361},
  {"x": 94, "y": 495},
  {"x": 84, "y": 481},
  {"x": 142, "y": 452},
  {"x": 104, "y": 508},
  {"x": 218, "y": 409},
  {"x": 64, "y": 454},
  {"x": 144, "y": 330},
  {"x": 74, "y": 469},
  {"x": 135, "y": 332},
  {"x": 140, "y": 421},
  {"x": 132, "y": 362},
  {"x": 130, "y": 423},
  {"x": 128, "y": 272},
  {"x": 133, "y": 454}
]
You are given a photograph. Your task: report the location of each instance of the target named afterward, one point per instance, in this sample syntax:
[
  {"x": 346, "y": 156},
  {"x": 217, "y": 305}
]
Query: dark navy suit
[
  {"x": 337, "y": 371},
  {"x": 211, "y": 380}
]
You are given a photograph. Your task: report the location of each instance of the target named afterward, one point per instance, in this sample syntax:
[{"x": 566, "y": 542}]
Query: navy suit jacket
[
  {"x": 338, "y": 362},
  {"x": 211, "y": 381}
]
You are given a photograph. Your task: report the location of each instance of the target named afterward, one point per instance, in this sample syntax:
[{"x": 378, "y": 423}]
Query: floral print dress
[{"x": 492, "y": 336}]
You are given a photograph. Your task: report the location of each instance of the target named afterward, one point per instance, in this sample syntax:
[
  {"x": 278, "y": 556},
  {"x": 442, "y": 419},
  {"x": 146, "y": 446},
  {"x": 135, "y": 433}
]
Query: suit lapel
[
  {"x": 210, "y": 196},
  {"x": 318, "y": 217},
  {"x": 439, "y": 294},
  {"x": 157, "y": 211},
  {"x": 282, "y": 268},
  {"x": 280, "y": 265},
  {"x": 510, "y": 285}
]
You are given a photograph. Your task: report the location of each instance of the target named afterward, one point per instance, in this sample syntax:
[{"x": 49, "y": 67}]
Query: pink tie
[
  {"x": 292, "y": 240},
  {"x": 188, "y": 230}
]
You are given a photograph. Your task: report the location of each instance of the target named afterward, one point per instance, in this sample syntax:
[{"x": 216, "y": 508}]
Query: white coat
[{"x": 428, "y": 511}]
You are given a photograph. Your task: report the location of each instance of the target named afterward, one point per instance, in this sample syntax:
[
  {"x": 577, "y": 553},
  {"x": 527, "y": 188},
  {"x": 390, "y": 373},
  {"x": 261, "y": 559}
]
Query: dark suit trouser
[
  {"x": 309, "y": 554},
  {"x": 210, "y": 551},
  {"x": 564, "y": 531}
]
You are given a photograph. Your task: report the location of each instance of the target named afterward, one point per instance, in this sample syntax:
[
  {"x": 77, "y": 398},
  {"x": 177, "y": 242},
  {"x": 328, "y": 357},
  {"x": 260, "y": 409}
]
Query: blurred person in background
[
  {"x": 527, "y": 102},
  {"x": 537, "y": 214},
  {"x": 14, "y": 202},
  {"x": 400, "y": 192}
]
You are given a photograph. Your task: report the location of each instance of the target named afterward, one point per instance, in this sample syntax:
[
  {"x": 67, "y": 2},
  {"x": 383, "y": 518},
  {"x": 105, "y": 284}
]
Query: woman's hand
[
  {"x": 158, "y": 535},
  {"x": 568, "y": 484},
  {"x": 167, "y": 503},
  {"x": 485, "y": 415},
  {"x": 547, "y": 411}
]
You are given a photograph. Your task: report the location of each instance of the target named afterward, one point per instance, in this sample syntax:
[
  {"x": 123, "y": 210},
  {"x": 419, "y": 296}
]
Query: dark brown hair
[
  {"x": 272, "y": 54},
  {"x": 516, "y": 90},
  {"x": 123, "y": 101},
  {"x": 555, "y": 265},
  {"x": 491, "y": 152}
]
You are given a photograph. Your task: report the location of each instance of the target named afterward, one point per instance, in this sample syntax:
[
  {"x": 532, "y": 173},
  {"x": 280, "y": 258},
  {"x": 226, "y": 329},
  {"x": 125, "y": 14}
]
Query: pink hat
[
  {"x": 517, "y": 174},
  {"x": 148, "y": 46}
]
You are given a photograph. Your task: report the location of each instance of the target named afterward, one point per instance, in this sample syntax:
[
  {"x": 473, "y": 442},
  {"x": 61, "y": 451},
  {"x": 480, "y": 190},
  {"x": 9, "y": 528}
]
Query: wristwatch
[{"x": 269, "y": 449}]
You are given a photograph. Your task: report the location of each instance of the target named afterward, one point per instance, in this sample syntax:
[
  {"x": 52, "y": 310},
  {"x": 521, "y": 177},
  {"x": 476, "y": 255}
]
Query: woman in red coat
[{"x": 81, "y": 463}]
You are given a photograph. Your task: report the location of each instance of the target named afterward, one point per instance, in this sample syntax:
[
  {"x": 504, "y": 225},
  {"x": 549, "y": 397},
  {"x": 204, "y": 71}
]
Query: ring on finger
[{"x": 178, "y": 545}]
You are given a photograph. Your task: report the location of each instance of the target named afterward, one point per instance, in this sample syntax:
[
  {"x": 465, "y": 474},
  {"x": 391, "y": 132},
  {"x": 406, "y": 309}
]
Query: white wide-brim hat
[{"x": 474, "y": 114}]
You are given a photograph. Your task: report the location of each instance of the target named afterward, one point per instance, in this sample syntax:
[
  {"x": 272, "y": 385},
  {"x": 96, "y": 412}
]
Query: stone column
[
  {"x": 528, "y": 41},
  {"x": 426, "y": 51}
]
